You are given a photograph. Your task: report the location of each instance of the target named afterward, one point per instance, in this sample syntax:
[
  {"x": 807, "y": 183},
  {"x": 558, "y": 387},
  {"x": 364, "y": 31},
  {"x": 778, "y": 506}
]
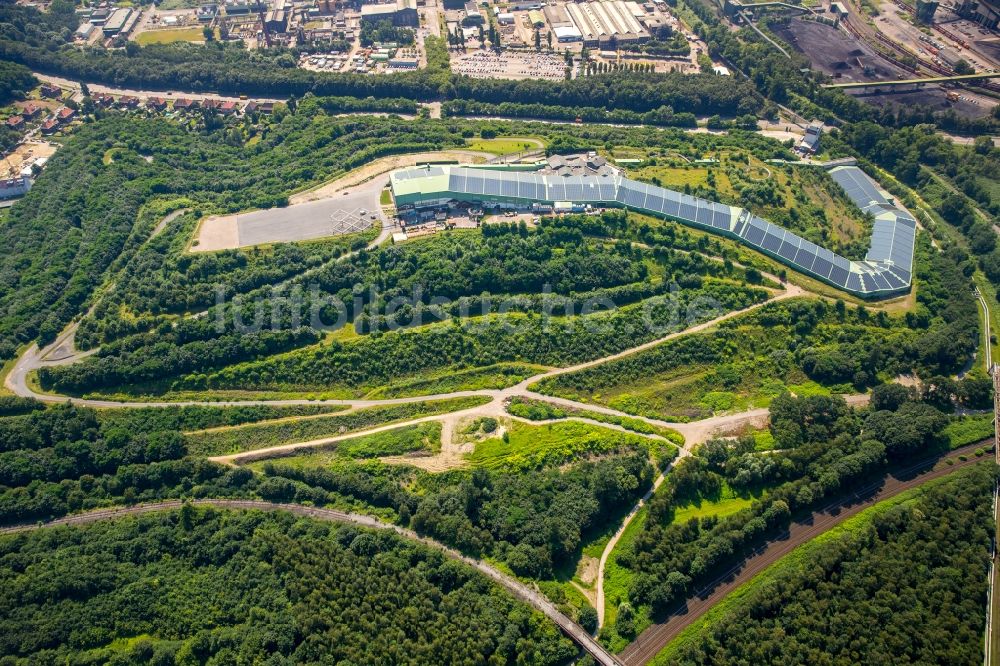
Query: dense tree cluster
[
  {"x": 827, "y": 448},
  {"x": 555, "y": 271},
  {"x": 908, "y": 584},
  {"x": 80, "y": 218},
  {"x": 164, "y": 278},
  {"x": 535, "y": 521},
  {"x": 254, "y": 588},
  {"x": 65, "y": 459},
  {"x": 189, "y": 418},
  {"x": 15, "y": 81},
  {"x": 663, "y": 116},
  {"x": 121, "y": 366}
]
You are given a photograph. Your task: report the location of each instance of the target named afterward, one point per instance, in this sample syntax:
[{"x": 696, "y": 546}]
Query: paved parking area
[
  {"x": 510, "y": 65},
  {"x": 332, "y": 216}
]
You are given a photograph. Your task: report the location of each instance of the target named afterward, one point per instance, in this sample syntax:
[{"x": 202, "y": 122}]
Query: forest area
[
  {"x": 535, "y": 499},
  {"x": 821, "y": 450},
  {"x": 495, "y": 282},
  {"x": 253, "y": 587},
  {"x": 917, "y": 563}
]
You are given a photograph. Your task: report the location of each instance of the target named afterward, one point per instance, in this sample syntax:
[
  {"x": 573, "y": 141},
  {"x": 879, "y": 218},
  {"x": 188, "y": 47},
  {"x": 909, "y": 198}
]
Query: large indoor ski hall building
[{"x": 885, "y": 271}]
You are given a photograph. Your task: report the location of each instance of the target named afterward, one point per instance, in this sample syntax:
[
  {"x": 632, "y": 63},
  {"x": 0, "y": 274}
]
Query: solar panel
[
  {"x": 474, "y": 185},
  {"x": 822, "y": 267},
  {"x": 606, "y": 190},
  {"x": 508, "y": 188},
  {"x": 632, "y": 198},
  {"x": 854, "y": 282},
  {"x": 492, "y": 187},
  {"x": 893, "y": 280},
  {"x": 654, "y": 203},
  {"x": 806, "y": 257},
  {"x": 755, "y": 235},
  {"x": 688, "y": 212},
  {"x": 839, "y": 275},
  {"x": 541, "y": 190},
  {"x": 672, "y": 205},
  {"x": 703, "y": 216},
  {"x": 901, "y": 273},
  {"x": 880, "y": 282},
  {"x": 788, "y": 250},
  {"x": 526, "y": 189},
  {"x": 771, "y": 243},
  {"x": 721, "y": 219}
]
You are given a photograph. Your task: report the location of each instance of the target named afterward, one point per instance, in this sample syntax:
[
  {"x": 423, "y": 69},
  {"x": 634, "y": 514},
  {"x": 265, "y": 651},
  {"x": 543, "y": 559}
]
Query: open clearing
[
  {"x": 507, "y": 145},
  {"x": 23, "y": 155},
  {"x": 193, "y": 34}
]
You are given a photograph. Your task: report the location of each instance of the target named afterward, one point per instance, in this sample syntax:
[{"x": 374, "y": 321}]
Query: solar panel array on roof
[
  {"x": 859, "y": 187},
  {"x": 886, "y": 269}
]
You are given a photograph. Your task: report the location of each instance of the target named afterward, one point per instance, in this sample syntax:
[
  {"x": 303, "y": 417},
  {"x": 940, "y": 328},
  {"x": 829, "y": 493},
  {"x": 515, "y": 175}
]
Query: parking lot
[
  {"x": 338, "y": 214},
  {"x": 510, "y": 65}
]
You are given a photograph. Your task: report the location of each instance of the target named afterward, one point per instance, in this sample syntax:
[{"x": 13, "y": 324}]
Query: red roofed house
[
  {"x": 183, "y": 104},
  {"x": 156, "y": 103},
  {"x": 65, "y": 114},
  {"x": 15, "y": 122},
  {"x": 103, "y": 100},
  {"x": 227, "y": 108},
  {"x": 49, "y": 126},
  {"x": 30, "y": 111},
  {"x": 49, "y": 90},
  {"x": 128, "y": 102}
]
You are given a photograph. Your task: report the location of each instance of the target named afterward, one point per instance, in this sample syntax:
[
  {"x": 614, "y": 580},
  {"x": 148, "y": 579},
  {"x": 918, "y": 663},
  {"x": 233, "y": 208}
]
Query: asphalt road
[{"x": 657, "y": 636}]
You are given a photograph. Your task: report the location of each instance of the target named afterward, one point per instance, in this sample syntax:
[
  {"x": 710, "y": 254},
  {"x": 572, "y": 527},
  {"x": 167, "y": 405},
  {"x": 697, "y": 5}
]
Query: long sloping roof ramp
[{"x": 886, "y": 270}]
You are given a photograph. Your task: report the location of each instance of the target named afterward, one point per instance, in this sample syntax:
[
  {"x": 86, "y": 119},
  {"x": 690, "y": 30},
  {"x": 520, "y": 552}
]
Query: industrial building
[
  {"x": 472, "y": 16},
  {"x": 608, "y": 23},
  {"x": 401, "y": 13},
  {"x": 276, "y": 19},
  {"x": 984, "y": 12},
  {"x": 810, "y": 142},
  {"x": 116, "y": 22},
  {"x": 17, "y": 186},
  {"x": 885, "y": 271}
]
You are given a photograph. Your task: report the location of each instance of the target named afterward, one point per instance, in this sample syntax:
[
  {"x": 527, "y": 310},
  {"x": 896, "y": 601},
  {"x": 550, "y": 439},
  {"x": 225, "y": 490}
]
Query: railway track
[
  {"x": 896, "y": 48},
  {"x": 658, "y": 636}
]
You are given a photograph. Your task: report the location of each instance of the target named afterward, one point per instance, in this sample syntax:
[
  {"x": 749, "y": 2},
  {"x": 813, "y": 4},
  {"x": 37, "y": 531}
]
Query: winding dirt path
[{"x": 521, "y": 591}]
